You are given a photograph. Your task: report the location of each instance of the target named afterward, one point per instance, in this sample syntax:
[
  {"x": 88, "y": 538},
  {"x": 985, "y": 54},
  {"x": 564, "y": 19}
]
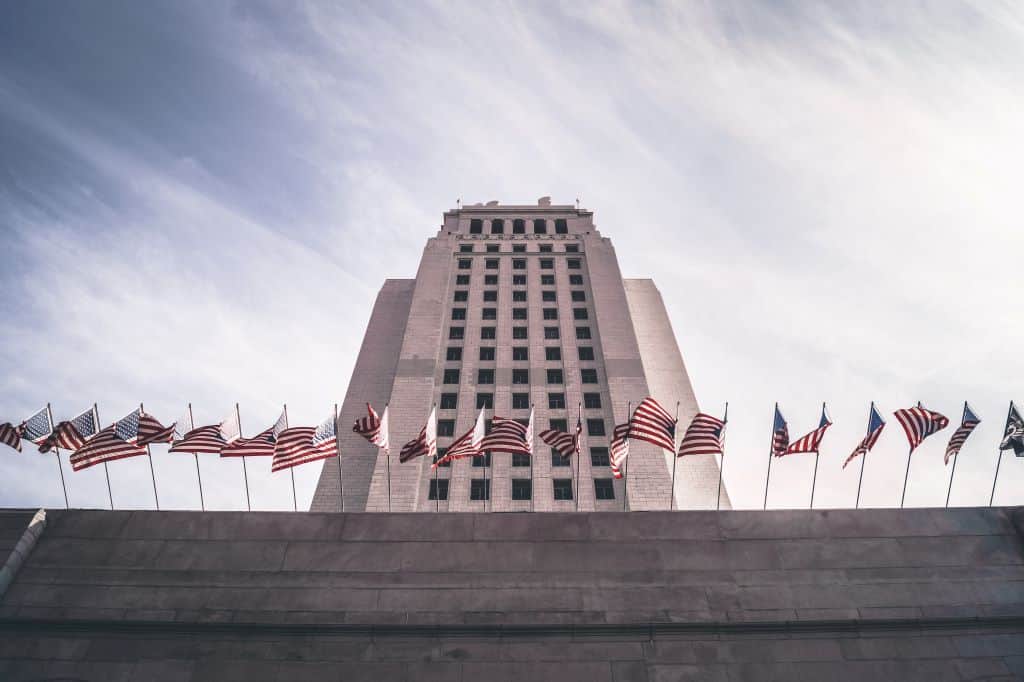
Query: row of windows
[
  {"x": 520, "y": 353},
  {"x": 491, "y": 333},
  {"x": 518, "y": 248},
  {"x": 517, "y": 280},
  {"x": 491, "y": 296},
  {"x": 519, "y": 376},
  {"x": 540, "y": 226},
  {"x": 595, "y": 426},
  {"x": 522, "y": 489},
  {"x": 520, "y": 401},
  {"x": 520, "y": 263},
  {"x": 598, "y": 458},
  {"x": 520, "y": 313}
]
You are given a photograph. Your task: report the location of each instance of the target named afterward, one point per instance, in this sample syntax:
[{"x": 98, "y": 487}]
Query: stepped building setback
[{"x": 514, "y": 306}]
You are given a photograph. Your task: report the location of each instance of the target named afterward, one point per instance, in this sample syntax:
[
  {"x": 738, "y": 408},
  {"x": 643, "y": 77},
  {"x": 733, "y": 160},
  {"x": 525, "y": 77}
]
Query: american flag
[
  {"x": 919, "y": 423},
  {"x": 565, "y": 444},
  {"x": 152, "y": 431},
  {"x": 260, "y": 445},
  {"x": 423, "y": 445},
  {"x": 304, "y": 444},
  {"x": 703, "y": 436},
  {"x": 875, "y": 426},
  {"x": 780, "y": 434},
  {"x": 231, "y": 428},
  {"x": 202, "y": 439},
  {"x": 466, "y": 445},
  {"x": 507, "y": 435},
  {"x": 619, "y": 448},
  {"x": 1013, "y": 435},
  {"x": 812, "y": 441},
  {"x": 37, "y": 427},
  {"x": 968, "y": 421},
  {"x": 9, "y": 435},
  {"x": 374, "y": 428},
  {"x": 652, "y": 423},
  {"x": 72, "y": 434},
  {"x": 108, "y": 445}
]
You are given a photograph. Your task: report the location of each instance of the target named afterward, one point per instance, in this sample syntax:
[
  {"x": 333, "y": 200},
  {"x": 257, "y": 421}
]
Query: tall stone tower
[{"x": 515, "y": 306}]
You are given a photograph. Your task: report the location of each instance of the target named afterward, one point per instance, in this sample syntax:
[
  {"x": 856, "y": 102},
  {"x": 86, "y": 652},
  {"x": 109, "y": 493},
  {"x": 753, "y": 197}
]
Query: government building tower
[{"x": 513, "y": 307}]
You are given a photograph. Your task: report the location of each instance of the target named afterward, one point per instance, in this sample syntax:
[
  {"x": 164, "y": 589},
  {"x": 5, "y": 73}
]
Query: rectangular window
[
  {"x": 497, "y": 226},
  {"x": 520, "y": 401},
  {"x": 518, "y": 332},
  {"x": 572, "y": 248},
  {"x": 592, "y": 401},
  {"x": 456, "y": 333},
  {"x": 551, "y": 313},
  {"x": 518, "y": 226},
  {"x": 557, "y": 460},
  {"x": 482, "y": 461},
  {"x": 458, "y": 313},
  {"x": 576, "y": 280},
  {"x": 552, "y": 353},
  {"x": 578, "y": 296},
  {"x": 490, "y": 280},
  {"x": 561, "y": 226},
  {"x": 438, "y": 489},
  {"x": 547, "y": 264},
  {"x": 489, "y": 313},
  {"x": 451, "y": 376},
  {"x": 588, "y": 376},
  {"x": 545, "y": 248},
  {"x": 461, "y": 280},
  {"x": 519, "y": 280},
  {"x": 440, "y": 456},
  {"x": 491, "y": 264},
  {"x": 556, "y": 401},
  {"x": 519, "y": 313},
  {"x": 551, "y": 333},
  {"x": 465, "y": 264},
  {"x": 540, "y": 226},
  {"x": 547, "y": 280},
  {"x": 519, "y": 248},
  {"x": 445, "y": 427},
  {"x": 586, "y": 353},
  {"x": 595, "y": 427},
  {"x": 461, "y": 296},
  {"x": 487, "y": 353},
  {"x": 579, "y": 313},
  {"x": 453, "y": 354},
  {"x": 449, "y": 401},
  {"x": 485, "y": 376},
  {"x": 573, "y": 263},
  {"x": 488, "y": 333},
  {"x": 520, "y": 376},
  {"x": 555, "y": 376},
  {"x": 520, "y": 460},
  {"x": 519, "y": 296},
  {"x": 479, "y": 489},
  {"x": 563, "y": 488},
  {"x": 583, "y": 333},
  {"x": 547, "y": 296},
  {"x": 465, "y": 248},
  {"x": 518, "y": 263},
  {"x": 476, "y": 226},
  {"x": 599, "y": 457},
  {"x": 522, "y": 488},
  {"x": 604, "y": 489},
  {"x": 520, "y": 353},
  {"x": 493, "y": 248},
  {"x": 490, "y": 296},
  {"x": 485, "y": 401},
  {"x": 558, "y": 424}
]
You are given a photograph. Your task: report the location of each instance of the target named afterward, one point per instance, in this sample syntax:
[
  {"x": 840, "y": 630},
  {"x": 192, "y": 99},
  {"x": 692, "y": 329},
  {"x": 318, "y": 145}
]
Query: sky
[{"x": 200, "y": 200}]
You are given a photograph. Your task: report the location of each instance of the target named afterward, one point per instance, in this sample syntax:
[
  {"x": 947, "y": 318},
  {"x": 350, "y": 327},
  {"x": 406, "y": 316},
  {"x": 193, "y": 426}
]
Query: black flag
[{"x": 1014, "y": 436}]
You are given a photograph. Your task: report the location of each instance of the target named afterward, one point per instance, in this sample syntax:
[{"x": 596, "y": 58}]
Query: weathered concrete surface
[{"x": 807, "y": 595}]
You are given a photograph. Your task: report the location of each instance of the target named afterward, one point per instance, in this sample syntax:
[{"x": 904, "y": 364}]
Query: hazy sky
[{"x": 200, "y": 200}]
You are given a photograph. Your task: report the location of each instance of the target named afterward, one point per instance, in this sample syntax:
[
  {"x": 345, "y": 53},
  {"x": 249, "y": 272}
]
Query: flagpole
[
  {"x": 245, "y": 469},
  {"x": 864, "y": 456},
  {"x": 672, "y": 493},
  {"x": 625, "y": 464},
  {"x": 768, "y": 478},
  {"x": 60, "y": 467},
  {"x": 106, "y": 470},
  {"x": 905, "y": 477},
  {"x": 817, "y": 454},
  {"x": 999, "y": 461},
  {"x": 199, "y": 476},
  {"x": 955, "y": 456},
  {"x": 295, "y": 499},
  {"x": 341, "y": 472},
  {"x": 532, "y": 454},
  {"x": 436, "y": 466},
  {"x": 721, "y": 465},
  {"x": 152, "y": 473},
  {"x": 579, "y": 420},
  {"x": 387, "y": 460}
]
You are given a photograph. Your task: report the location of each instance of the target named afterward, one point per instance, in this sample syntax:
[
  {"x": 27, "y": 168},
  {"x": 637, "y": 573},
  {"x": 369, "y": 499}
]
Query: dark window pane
[
  {"x": 485, "y": 376},
  {"x": 592, "y": 401},
  {"x": 521, "y": 488},
  {"x": 604, "y": 489},
  {"x": 520, "y": 353},
  {"x": 490, "y": 295},
  {"x": 519, "y": 280},
  {"x": 518, "y": 332},
  {"x": 479, "y": 489},
  {"x": 579, "y": 296},
  {"x": 465, "y": 248},
  {"x": 489, "y": 313},
  {"x": 547, "y": 296},
  {"x": 588, "y": 376},
  {"x": 519, "y": 296},
  {"x": 438, "y": 489},
  {"x": 540, "y": 226},
  {"x": 458, "y": 313},
  {"x": 491, "y": 280},
  {"x": 461, "y": 280},
  {"x": 454, "y": 354},
  {"x": 547, "y": 280},
  {"x": 519, "y": 313},
  {"x": 556, "y": 401},
  {"x": 545, "y": 248},
  {"x": 449, "y": 401},
  {"x": 484, "y": 401},
  {"x": 451, "y": 376},
  {"x": 482, "y": 461},
  {"x": 583, "y": 333},
  {"x": 440, "y": 456},
  {"x": 555, "y": 376},
  {"x": 563, "y": 488},
  {"x": 558, "y": 424},
  {"x": 491, "y": 264},
  {"x": 579, "y": 313},
  {"x": 518, "y": 248},
  {"x": 550, "y": 332},
  {"x": 546, "y": 264},
  {"x": 586, "y": 353},
  {"x": 461, "y": 295},
  {"x": 561, "y": 226},
  {"x": 487, "y": 353},
  {"x": 520, "y": 376},
  {"x": 487, "y": 333},
  {"x": 465, "y": 264},
  {"x": 595, "y": 427},
  {"x": 520, "y": 401},
  {"x": 518, "y": 226},
  {"x": 445, "y": 427},
  {"x": 518, "y": 264},
  {"x": 552, "y": 353},
  {"x": 551, "y": 313},
  {"x": 520, "y": 460},
  {"x": 497, "y": 226},
  {"x": 573, "y": 263},
  {"x": 558, "y": 461},
  {"x": 572, "y": 248},
  {"x": 493, "y": 248},
  {"x": 576, "y": 280},
  {"x": 476, "y": 226},
  {"x": 599, "y": 457}
]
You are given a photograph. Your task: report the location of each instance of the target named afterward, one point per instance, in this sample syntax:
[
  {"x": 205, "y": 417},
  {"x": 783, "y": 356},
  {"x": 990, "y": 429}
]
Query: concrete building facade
[{"x": 513, "y": 307}]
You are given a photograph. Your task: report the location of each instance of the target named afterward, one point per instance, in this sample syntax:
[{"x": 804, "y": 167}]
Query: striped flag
[
  {"x": 304, "y": 444},
  {"x": 968, "y": 422},
  {"x": 260, "y": 445},
  {"x": 466, "y": 445},
  {"x": 1013, "y": 434},
  {"x": 529, "y": 433},
  {"x": 565, "y": 444},
  {"x": 72, "y": 434},
  {"x": 105, "y": 446},
  {"x": 875, "y": 426},
  {"x": 780, "y": 434},
  {"x": 619, "y": 448},
  {"x": 10, "y": 435},
  {"x": 507, "y": 435},
  {"x": 812, "y": 441},
  {"x": 208, "y": 439},
  {"x": 152, "y": 431},
  {"x": 919, "y": 423},
  {"x": 652, "y": 423},
  {"x": 423, "y": 445},
  {"x": 703, "y": 436},
  {"x": 37, "y": 427},
  {"x": 374, "y": 428}
]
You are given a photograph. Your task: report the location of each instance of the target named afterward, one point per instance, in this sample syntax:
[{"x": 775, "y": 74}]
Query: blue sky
[{"x": 199, "y": 201}]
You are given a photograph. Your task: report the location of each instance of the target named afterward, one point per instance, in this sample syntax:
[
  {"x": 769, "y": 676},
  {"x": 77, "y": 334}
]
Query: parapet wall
[{"x": 911, "y": 594}]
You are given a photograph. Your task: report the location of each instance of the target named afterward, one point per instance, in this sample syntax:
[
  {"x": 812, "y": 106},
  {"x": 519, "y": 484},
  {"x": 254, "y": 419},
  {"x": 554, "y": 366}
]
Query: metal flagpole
[
  {"x": 768, "y": 478},
  {"x": 905, "y": 477},
  {"x": 291, "y": 470},
  {"x": 437, "y": 485},
  {"x": 60, "y": 467},
  {"x": 999, "y": 461},
  {"x": 864, "y": 456},
  {"x": 106, "y": 470},
  {"x": 955, "y": 455},
  {"x": 387, "y": 460},
  {"x": 341, "y": 472},
  {"x": 149, "y": 453},
  {"x": 721, "y": 465},
  {"x": 814, "y": 480},
  {"x": 576, "y": 475},
  {"x": 675, "y": 459},
  {"x": 625, "y": 464},
  {"x": 532, "y": 454},
  {"x": 245, "y": 469},
  {"x": 199, "y": 476}
]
